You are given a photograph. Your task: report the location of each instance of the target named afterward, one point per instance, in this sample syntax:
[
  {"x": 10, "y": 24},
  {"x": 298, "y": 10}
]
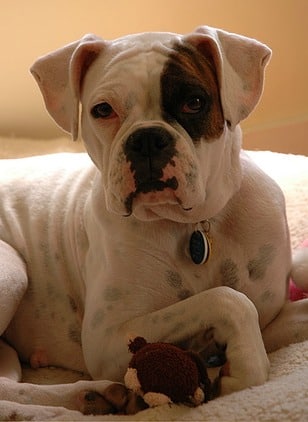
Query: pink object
[{"x": 296, "y": 292}]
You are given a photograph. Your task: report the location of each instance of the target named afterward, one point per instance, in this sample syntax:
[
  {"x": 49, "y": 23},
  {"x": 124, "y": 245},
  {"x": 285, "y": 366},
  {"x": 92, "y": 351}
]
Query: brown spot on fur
[
  {"x": 112, "y": 294},
  {"x": 229, "y": 273},
  {"x": 174, "y": 279},
  {"x": 73, "y": 304},
  {"x": 74, "y": 333},
  {"x": 190, "y": 74},
  {"x": 184, "y": 294},
  {"x": 98, "y": 318},
  {"x": 257, "y": 267}
]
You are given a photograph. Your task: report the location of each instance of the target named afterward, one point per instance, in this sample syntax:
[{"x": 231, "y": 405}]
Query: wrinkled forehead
[
  {"x": 134, "y": 54},
  {"x": 147, "y": 40},
  {"x": 144, "y": 60},
  {"x": 125, "y": 68}
]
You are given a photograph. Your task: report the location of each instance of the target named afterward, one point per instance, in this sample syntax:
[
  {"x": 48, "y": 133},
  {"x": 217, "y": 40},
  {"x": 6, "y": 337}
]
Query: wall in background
[{"x": 31, "y": 28}]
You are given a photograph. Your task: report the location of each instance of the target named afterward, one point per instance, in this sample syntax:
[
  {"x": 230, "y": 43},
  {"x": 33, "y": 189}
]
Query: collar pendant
[{"x": 200, "y": 243}]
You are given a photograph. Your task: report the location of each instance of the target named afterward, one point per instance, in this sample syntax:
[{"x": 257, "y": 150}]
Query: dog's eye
[
  {"x": 193, "y": 105},
  {"x": 103, "y": 111}
]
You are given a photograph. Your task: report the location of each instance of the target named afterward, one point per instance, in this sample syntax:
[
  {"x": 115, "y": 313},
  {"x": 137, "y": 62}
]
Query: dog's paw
[
  {"x": 93, "y": 403},
  {"x": 115, "y": 399},
  {"x": 234, "y": 377}
]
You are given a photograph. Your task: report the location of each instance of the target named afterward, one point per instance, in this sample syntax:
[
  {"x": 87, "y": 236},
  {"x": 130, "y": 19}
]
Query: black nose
[{"x": 149, "y": 142}]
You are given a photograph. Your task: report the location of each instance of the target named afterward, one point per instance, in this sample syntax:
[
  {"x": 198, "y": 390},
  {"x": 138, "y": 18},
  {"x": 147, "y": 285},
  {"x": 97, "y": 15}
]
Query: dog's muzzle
[{"x": 149, "y": 150}]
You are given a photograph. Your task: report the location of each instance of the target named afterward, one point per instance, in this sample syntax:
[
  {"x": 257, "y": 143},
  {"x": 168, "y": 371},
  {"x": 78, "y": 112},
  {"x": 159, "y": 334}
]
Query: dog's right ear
[
  {"x": 59, "y": 75},
  {"x": 240, "y": 64}
]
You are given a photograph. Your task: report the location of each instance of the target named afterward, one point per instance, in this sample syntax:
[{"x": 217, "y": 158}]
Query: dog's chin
[
  {"x": 168, "y": 211},
  {"x": 152, "y": 212},
  {"x": 167, "y": 204},
  {"x": 152, "y": 205},
  {"x": 162, "y": 205}
]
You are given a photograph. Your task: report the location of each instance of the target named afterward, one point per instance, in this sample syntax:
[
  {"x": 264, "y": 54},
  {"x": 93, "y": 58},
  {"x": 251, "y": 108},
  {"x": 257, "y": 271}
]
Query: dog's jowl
[{"x": 99, "y": 246}]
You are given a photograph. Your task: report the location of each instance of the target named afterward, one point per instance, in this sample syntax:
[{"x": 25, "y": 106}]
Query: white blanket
[{"x": 285, "y": 396}]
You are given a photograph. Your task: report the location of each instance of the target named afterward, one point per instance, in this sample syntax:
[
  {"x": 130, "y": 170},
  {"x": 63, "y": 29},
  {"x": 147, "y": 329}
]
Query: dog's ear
[
  {"x": 240, "y": 64},
  {"x": 59, "y": 75}
]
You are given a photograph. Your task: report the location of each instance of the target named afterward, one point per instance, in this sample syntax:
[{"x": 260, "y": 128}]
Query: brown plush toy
[{"x": 163, "y": 373}]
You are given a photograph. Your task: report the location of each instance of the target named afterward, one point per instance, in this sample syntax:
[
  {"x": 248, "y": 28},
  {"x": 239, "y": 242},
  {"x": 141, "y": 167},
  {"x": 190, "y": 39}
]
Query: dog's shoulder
[
  {"x": 37, "y": 190},
  {"x": 40, "y": 175},
  {"x": 40, "y": 165},
  {"x": 258, "y": 185},
  {"x": 258, "y": 203}
]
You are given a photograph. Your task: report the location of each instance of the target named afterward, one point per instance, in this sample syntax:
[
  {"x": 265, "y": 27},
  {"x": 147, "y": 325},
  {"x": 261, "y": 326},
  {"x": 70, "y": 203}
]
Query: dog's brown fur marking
[
  {"x": 190, "y": 74},
  {"x": 257, "y": 267},
  {"x": 229, "y": 273}
]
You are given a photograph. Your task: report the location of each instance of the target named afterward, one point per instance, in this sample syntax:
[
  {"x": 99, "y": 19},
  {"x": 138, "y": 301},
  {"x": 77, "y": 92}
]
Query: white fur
[{"x": 86, "y": 275}]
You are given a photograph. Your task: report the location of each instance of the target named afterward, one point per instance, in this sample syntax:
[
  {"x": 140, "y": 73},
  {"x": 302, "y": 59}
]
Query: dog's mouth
[{"x": 151, "y": 186}]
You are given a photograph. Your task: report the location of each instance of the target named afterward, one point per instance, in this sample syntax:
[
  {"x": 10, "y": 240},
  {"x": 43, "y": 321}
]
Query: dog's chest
[
  {"x": 165, "y": 253},
  {"x": 159, "y": 259}
]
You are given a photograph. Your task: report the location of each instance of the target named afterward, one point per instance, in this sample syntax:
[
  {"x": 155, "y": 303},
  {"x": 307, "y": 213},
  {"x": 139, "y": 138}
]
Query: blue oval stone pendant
[{"x": 199, "y": 247}]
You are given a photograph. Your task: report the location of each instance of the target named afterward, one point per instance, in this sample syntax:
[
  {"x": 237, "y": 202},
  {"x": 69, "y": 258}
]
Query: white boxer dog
[{"x": 168, "y": 231}]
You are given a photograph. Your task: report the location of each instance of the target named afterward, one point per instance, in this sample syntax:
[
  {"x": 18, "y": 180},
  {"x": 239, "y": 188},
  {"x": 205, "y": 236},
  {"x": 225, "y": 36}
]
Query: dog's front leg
[
  {"x": 230, "y": 314},
  {"x": 13, "y": 284},
  {"x": 87, "y": 397},
  {"x": 234, "y": 321}
]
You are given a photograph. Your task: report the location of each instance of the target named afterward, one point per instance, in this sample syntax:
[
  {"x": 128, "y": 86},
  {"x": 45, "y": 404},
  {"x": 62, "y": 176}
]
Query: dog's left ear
[
  {"x": 240, "y": 64},
  {"x": 59, "y": 75}
]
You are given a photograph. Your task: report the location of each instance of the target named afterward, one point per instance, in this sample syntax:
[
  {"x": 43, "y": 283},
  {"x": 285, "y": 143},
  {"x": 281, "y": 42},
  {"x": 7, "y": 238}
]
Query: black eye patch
[
  {"x": 187, "y": 99},
  {"x": 190, "y": 94},
  {"x": 187, "y": 104}
]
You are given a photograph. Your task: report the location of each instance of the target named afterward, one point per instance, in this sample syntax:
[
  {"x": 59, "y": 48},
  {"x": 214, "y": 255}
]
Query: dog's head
[{"x": 160, "y": 115}]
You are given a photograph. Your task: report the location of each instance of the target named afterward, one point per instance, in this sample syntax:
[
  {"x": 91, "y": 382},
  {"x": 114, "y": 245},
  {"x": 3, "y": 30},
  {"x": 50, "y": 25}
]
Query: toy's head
[{"x": 163, "y": 373}]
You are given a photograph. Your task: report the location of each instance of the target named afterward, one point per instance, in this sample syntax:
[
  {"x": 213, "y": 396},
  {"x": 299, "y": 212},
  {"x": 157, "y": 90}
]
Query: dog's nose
[{"x": 148, "y": 142}]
